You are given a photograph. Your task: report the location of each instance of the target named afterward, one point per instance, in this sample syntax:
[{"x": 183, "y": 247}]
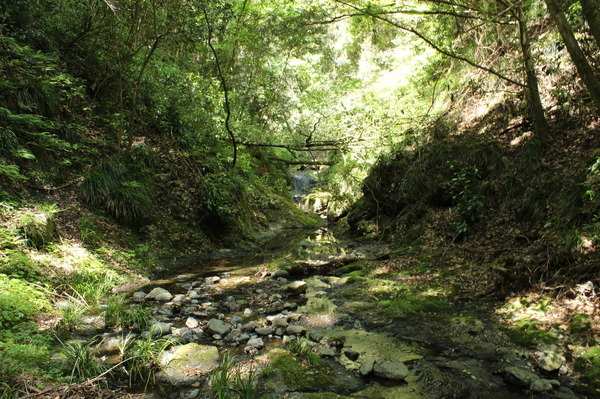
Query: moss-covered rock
[
  {"x": 289, "y": 373},
  {"x": 38, "y": 228}
]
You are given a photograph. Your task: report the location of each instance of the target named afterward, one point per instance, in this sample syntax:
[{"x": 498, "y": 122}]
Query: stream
[{"x": 251, "y": 304}]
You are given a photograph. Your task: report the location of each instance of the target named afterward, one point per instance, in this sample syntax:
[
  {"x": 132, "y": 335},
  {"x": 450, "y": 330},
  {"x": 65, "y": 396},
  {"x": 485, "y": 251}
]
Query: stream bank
[{"x": 329, "y": 318}]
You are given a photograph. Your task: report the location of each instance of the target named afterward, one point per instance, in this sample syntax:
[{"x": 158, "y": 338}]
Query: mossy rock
[
  {"x": 289, "y": 373},
  {"x": 288, "y": 265},
  {"x": 361, "y": 265},
  {"x": 38, "y": 228}
]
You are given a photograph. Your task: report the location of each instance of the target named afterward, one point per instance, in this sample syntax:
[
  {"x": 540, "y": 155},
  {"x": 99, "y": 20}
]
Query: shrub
[{"x": 124, "y": 192}]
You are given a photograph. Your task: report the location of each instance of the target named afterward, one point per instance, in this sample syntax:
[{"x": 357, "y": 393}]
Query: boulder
[
  {"x": 187, "y": 364},
  {"x": 278, "y": 321},
  {"x": 550, "y": 361},
  {"x": 164, "y": 297},
  {"x": 367, "y": 367},
  {"x": 390, "y": 370},
  {"x": 295, "y": 330},
  {"x": 280, "y": 273},
  {"x": 520, "y": 377},
  {"x": 264, "y": 331},
  {"x": 219, "y": 327},
  {"x": 157, "y": 291},
  {"x": 255, "y": 343},
  {"x": 297, "y": 287},
  {"x": 540, "y": 385}
]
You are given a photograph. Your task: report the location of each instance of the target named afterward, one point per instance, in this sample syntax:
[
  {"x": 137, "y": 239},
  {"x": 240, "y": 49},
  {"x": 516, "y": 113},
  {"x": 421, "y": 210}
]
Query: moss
[
  {"x": 285, "y": 264},
  {"x": 580, "y": 323},
  {"x": 527, "y": 333},
  {"x": 412, "y": 304},
  {"x": 589, "y": 365},
  {"x": 296, "y": 375},
  {"x": 361, "y": 265}
]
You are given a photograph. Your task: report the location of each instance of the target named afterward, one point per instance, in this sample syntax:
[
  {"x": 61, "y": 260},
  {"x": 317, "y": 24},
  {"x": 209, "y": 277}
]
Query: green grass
[{"x": 80, "y": 362}]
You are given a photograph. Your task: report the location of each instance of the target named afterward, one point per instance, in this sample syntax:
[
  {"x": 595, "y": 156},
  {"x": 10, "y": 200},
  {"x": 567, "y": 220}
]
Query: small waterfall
[{"x": 303, "y": 181}]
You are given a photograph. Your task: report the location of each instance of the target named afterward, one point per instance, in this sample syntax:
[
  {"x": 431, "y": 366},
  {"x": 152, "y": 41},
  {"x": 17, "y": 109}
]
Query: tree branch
[
  {"x": 432, "y": 44},
  {"x": 225, "y": 90}
]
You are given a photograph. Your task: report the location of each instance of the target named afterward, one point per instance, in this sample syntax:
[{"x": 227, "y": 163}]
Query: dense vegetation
[{"x": 133, "y": 132}]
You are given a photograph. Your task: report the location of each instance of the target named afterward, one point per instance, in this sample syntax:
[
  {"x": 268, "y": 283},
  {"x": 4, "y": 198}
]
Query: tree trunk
[
  {"x": 583, "y": 67},
  {"x": 591, "y": 13},
  {"x": 540, "y": 125}
]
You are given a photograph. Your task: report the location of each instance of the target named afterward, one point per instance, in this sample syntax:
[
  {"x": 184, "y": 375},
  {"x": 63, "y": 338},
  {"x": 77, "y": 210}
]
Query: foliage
[
  {"x": 229, "y": 381},
  {"x": 117, "y": 313},
  {"x": 19, "y": 302},
  {"x": 126, "y": 194},
  {"x": 449, "y": 172},
  {"x": 143, "y": 358},
  {"x": 80, "y": 361}
]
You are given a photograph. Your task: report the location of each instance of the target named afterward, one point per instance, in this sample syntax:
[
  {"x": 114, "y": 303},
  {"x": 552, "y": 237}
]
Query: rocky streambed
[{"x": 314, "y": 335}]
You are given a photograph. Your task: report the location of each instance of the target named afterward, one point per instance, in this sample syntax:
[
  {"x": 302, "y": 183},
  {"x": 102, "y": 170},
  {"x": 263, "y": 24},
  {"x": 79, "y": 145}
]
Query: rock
[
  {"x": 555, "y": 383},
  {"x": 280, "y": 273},
  {"x": 232, "y": 304},
  {"x": 161, "y": 328},
  {"x": 183, "y": 277},
  {"x": 110, "y": 345},
  {"x": 541, "y": 385},
  {"x": 157, "y": 291},
  {"x": 296, "y": 330},
  {"x": 520, "y": 377},
  {"x": 192, "y": 322},
  {"x": 38, "y": 228},
  {"x": 367, "y": 367},
  {"x": 178, "y": 362},
  {"x": 255, "y": 342},
  {"x": 217, "y": 326},
  {"x": 186, "y": 334},
  {"x": 165, "y": 297},
  {"x": 550, "y": 361},
  {"x": 390, "y": 370},
  {"x": 139, "y": 296},
  {"x": 325, "y": 351},
  {"x": 264, "y": 331},
  {"x": 236, "y": 320},
  {"x": 278, "y": 321},
  {"x": 297, "y": 287},
  {"x": 247, "y": 312}
]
